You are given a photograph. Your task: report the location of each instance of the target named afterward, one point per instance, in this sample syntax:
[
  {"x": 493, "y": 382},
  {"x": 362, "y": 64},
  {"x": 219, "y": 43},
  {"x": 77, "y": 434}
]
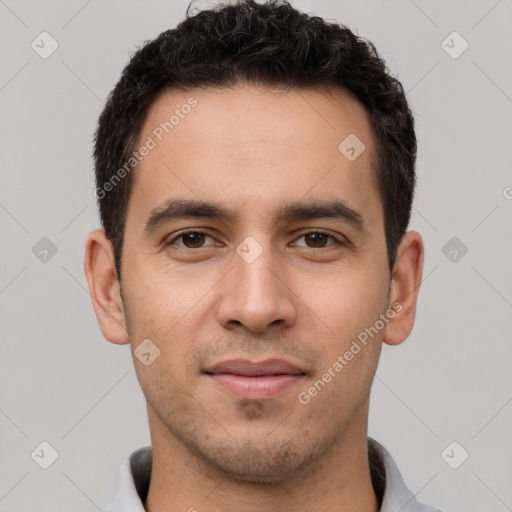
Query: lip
[
  {"x": 255, "y": 380},
  {"x": 255, "y": 368}
]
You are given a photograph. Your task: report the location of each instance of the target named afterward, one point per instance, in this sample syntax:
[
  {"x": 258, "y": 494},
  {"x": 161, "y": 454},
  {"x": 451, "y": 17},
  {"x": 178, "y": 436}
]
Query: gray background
[{"x": 62, "y": 382}]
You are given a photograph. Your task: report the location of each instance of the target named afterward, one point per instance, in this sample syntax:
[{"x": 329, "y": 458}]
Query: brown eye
[
  {"x": 190, "y": 240},
  {"x": 194, "y": 239},
  {"x": 318, "y": 240}
]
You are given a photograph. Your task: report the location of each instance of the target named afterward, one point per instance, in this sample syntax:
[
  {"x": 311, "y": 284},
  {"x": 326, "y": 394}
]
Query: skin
[{"x": 305, "y": 300}]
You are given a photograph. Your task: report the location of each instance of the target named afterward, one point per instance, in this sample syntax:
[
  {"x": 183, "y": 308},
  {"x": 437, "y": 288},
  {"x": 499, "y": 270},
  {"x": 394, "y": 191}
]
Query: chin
[{"x": 259, "y": 461}]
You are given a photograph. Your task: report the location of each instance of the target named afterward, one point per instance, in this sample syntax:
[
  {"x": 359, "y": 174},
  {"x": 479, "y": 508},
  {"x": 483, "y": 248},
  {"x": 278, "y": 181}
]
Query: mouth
[{"x": 255, "y": 380}]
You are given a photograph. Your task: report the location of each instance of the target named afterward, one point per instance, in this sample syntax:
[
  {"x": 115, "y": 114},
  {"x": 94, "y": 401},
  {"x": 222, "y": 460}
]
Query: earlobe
[
  {"x": 404, "y": 290},
  {"x": 104, "y": 287}
]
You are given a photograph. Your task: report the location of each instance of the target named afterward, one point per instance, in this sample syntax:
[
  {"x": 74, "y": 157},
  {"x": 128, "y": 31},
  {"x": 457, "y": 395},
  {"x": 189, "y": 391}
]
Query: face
[{"x": 254, "y": 256}]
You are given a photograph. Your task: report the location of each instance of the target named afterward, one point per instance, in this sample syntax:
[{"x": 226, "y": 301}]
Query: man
[{"x": 255, "y": 175}]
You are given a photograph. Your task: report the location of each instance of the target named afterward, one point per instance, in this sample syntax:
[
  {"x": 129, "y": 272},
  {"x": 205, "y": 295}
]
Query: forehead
[{"x": 251, "y": 146}]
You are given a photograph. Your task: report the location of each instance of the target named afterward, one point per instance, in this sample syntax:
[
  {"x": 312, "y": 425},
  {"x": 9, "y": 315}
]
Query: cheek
[
  {"x": 158, "y": 298},
  {"x": 344, "y": 303},
  {"x": 168, "y": 308}
]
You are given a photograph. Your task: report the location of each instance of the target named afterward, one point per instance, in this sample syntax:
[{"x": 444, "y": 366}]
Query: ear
[
  {"x": 104, "y": 287},
  {"x": 404, "y": 288}
]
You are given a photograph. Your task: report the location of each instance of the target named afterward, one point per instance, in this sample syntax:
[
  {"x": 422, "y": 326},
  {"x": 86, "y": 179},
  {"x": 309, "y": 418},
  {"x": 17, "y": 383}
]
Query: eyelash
[{"x": 195, "y": 231}]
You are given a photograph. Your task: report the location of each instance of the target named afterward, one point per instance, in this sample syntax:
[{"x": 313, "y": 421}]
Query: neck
[{"x": 338, "y": 480}]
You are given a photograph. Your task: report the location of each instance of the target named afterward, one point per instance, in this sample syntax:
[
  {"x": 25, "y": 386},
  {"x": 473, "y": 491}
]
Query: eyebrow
[{"x": 182, "y": 209}]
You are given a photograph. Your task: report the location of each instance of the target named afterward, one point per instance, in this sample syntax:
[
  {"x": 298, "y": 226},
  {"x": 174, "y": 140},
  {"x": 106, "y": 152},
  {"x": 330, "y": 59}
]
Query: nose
[{"x": 256, "y": 295}]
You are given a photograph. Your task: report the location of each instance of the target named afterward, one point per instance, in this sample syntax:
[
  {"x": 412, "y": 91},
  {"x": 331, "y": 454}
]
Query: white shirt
[{"x": 135, "y": 474}]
